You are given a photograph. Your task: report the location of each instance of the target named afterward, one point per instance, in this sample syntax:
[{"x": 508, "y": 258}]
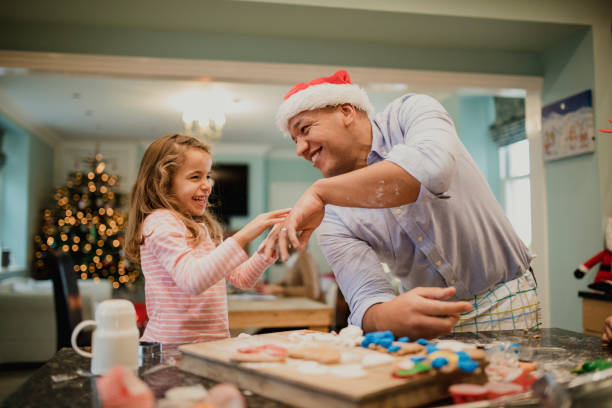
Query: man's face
[{"x": 322, "y": 137}]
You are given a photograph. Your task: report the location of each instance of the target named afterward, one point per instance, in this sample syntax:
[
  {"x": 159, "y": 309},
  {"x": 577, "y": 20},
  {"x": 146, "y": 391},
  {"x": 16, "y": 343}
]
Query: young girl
[{"x": 180, "y": 247}]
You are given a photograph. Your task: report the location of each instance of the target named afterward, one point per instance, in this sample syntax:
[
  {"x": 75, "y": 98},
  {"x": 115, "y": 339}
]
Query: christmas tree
[{"x": 86, "y": 221}]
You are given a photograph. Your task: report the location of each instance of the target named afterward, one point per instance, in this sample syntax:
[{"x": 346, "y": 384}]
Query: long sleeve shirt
[
  {"x": 185, "y": 286},
  {"x": 454, "y": 234}
]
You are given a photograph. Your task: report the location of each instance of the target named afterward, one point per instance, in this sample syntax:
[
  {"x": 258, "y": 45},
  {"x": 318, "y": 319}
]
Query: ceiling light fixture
[{"x": 204, "y": 114}]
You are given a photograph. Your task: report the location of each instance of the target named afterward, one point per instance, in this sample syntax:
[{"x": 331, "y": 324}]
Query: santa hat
[{"x": 319, "y": 93}]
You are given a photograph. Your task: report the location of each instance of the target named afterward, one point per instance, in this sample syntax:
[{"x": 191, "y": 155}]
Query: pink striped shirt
[{"x": 185, "y": 286}]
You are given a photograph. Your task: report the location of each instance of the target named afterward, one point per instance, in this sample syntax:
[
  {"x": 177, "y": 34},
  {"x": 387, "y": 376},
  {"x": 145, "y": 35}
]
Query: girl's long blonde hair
[{"x": 153, "y": 190}]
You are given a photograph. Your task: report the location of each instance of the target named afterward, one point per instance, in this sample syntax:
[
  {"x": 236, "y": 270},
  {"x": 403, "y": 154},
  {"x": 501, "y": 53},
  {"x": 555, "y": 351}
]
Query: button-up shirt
[{"x": 454, "y": 234}]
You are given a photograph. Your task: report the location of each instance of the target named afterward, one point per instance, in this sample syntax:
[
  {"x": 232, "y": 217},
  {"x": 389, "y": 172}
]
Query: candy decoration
[
  {"x": 439, "y": 362},
  {"x": 469, "y": 366},
  {"x": 419, "y": 368},
  {"x": 422, "y": 342},
  {"x": 431, "y": 348},
  {"x": 393, "y": 348},
  {"x": 595, "y": 365}
]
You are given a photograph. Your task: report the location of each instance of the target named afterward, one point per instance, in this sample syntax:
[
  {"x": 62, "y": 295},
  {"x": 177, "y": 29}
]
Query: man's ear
[{"x": 349, "y": 113}]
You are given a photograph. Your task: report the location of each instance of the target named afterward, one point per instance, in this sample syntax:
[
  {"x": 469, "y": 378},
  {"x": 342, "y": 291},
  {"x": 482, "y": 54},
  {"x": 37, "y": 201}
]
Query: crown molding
[
  {"x": 251, "y": 72},
  {"x": 26, "y": 122}
]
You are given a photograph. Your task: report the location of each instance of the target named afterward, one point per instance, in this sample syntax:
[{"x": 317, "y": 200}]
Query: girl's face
[{"x": 192, "y": 183}]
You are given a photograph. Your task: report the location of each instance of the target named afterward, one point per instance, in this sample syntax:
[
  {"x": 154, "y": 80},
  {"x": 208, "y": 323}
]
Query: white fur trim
[
  {"x": 320, "y": 96},
  {"x": 583, "y": 268}
]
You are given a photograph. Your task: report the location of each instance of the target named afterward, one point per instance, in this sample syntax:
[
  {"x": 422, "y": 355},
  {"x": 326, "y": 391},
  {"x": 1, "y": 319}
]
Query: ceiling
[
  {"x": 293, "y": 21},
  {"x": 110, "y": 108}
]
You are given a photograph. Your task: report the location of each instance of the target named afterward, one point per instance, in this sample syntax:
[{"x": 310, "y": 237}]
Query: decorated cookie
[
  {"x": 326, "y": 354},
  {"x": 266, "y": 353},
  {"x": 408, "y": 349},
  {"x": 477, "y": 354}
]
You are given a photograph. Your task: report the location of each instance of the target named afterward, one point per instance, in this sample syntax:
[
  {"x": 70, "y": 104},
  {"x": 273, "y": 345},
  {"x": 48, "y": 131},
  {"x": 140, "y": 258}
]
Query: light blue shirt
[{"x": 454, "y": 234}]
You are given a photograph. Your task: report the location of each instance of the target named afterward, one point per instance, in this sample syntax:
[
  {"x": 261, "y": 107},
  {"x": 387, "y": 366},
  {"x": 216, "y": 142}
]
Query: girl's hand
[
  {"x": 268, "y": 247},
  {"x": 258, "y": 225}
]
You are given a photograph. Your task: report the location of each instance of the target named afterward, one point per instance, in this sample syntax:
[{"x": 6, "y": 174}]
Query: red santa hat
[{"x": 319, "y": 93}]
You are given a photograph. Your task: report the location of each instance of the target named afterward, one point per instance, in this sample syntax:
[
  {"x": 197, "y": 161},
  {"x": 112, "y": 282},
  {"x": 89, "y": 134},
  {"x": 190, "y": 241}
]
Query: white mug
[{"x": 115, "y": 340}]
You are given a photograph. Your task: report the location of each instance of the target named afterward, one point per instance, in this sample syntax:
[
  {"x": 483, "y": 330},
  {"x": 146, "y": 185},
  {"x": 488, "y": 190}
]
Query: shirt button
[
  {"x": 384, "y": 152},
  {"x": 438, "y": 263},
  {"x": 398, "y": 211},
  {"x": 420, "y": 239}
]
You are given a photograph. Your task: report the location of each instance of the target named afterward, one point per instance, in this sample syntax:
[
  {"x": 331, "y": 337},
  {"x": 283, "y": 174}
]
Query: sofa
[{"x": 27, "y": 316}]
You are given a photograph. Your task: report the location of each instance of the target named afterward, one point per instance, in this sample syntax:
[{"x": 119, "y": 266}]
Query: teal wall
[
  {"x": 26, "y": 183},
  {"x": 575, "y": 226},
  {"x": 472, "y": 116},
  {"x": 477, "y": 114},
  {"x": 295, "y": 170},
  {"x": 14, "y": 219}
]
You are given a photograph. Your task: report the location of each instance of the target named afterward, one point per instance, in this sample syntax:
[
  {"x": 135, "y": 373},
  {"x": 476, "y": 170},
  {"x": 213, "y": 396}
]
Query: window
[{"x": 515, "y": 187}]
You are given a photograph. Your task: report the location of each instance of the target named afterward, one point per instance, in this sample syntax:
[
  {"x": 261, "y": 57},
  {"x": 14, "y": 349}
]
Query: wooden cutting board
[{"x": 283, "y": 382}]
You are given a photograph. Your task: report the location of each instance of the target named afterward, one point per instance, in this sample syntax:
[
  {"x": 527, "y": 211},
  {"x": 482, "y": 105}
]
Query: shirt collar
[{"x": 375, "y": 154}]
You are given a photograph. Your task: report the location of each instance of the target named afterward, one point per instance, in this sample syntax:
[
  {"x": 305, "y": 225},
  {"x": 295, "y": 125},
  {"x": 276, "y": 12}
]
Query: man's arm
[{"x": 381, "y": 185}]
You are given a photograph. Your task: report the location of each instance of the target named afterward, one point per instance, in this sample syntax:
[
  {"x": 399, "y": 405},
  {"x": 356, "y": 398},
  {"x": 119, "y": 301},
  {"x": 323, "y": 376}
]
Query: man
[{"x": 403, "y": 190}]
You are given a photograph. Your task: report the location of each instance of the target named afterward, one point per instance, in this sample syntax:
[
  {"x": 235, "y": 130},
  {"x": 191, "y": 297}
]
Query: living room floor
[{"x": 13, "y": 375}]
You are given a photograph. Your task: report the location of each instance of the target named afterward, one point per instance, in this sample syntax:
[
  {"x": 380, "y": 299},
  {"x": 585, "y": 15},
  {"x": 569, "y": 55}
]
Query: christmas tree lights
[{"x": 87, "y": 223}]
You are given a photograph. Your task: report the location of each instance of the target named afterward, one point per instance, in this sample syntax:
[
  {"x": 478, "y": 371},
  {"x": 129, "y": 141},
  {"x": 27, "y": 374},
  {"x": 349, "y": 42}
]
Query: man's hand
[
  {"x": 305, "y": 216},
  {"x": 420, "y": 312},
  {"x": 607, "y": 335}
]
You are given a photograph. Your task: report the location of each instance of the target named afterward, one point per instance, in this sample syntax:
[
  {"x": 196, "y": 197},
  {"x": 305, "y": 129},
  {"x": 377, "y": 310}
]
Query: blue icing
[
  {"x": 463, "y": 355},
  {"x": 404, "y": 339},
  {"x": 385, "y": 342},
  {"x": 365, "y": 342},
  {"x": 439, "y": 362},
  {"x": 417, "y": 359},
  {"x": 422, "y": 342},
  {"x": 514, "y": 347},
  {"x": 467, "y": 365},
  {"x": 393, "y": 348},
  {"x": 431, "y": 348}
]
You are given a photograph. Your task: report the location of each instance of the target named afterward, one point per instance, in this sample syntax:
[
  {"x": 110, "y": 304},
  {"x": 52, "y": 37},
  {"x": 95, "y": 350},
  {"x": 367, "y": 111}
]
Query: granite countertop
[{"x": 557, "y": 351}]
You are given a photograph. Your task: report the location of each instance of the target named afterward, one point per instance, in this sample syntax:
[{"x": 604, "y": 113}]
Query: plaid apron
[{"x": 510, "y": 305}]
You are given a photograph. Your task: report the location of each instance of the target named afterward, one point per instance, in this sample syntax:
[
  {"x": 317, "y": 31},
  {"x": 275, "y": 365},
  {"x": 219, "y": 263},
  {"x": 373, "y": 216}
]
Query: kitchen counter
[{"x": 557, "y": 351}]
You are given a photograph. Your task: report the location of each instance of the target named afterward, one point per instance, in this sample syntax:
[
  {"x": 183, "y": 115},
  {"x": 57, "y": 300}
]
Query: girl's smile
[{"x": 192, "y": 182}]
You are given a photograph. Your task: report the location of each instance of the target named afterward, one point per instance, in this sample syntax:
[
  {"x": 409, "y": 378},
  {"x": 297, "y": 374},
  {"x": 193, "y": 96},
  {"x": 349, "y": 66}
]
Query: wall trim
[
  {"x": 23, "y": 119},
  {"x": 250, "y": 72}
]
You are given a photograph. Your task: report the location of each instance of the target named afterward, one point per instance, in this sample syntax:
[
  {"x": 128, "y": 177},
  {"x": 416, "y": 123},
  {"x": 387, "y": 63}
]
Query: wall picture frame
[{"x": 568, "y": 127}]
